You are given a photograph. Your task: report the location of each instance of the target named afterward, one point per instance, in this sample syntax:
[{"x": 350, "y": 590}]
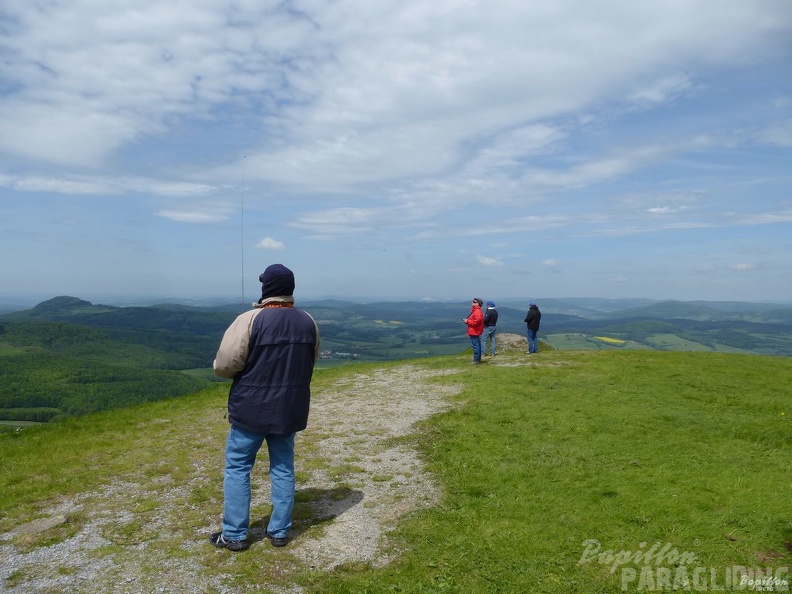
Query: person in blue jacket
[{"x": 269, "y": 352}]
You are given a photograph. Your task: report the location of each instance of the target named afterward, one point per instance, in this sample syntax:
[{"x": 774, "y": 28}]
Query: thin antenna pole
[{"x": 242, "y": 235}]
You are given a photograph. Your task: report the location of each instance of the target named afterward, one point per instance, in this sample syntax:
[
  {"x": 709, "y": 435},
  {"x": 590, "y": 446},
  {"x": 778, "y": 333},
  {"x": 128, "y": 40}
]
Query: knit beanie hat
[
  {"x": 490, "y": 304},
  {"x": 276, "y": 281}
]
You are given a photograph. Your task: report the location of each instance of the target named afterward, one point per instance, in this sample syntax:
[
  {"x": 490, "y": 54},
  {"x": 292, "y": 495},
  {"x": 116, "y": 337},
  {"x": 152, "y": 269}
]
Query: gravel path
[{"x": 361, "y": 478}]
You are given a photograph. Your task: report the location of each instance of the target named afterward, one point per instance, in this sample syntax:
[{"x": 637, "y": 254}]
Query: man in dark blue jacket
[
  {"x": 532, "y": 319},
  {"x": 269, "y": 352}
]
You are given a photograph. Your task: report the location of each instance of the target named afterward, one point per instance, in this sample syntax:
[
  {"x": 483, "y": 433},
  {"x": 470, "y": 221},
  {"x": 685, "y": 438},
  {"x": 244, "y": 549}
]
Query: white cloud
[
  {"x": 93, "y": 185},
  {"x": 661, "y": 91},
  {"x": 743, "y": 267},
  {"x": 329, "y": 224},
  {"x": 89, "y": 78},
  {"x": 767, "y": 218},
  {"x": 512, "y": 147},
  {"x": 268, "y": 243},
  {"x": 60, "y": 186},
  {"x": 780, "y": 134},
  {"x": 182, "y": 216},
  {"x": 200, "y": 212},
  {"x": 485, "y": 261},
  {"x": 782, "y": 102}
]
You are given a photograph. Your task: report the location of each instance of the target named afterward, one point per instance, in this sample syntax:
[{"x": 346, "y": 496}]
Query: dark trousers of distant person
[
  {"x": 533, "y": 344},
  {"x": 489, "y": 333},
  {"x": 475, "y": 342}
]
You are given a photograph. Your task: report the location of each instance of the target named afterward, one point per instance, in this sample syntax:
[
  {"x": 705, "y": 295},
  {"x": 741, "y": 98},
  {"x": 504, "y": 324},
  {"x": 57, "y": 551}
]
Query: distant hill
[
  {"x": 169, "y": 317},
  {"x": 676, "y": 325},
  {"x": 583, "y": 307},
  {"x": 709, "y": 312}
]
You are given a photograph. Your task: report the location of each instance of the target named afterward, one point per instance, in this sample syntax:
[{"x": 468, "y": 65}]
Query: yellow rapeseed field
[{"x": 610, "y": 340}]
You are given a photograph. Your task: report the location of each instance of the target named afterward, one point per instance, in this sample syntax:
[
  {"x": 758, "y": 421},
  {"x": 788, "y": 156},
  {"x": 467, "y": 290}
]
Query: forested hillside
[
  {"x": 68, "y": 357},
  {"x": 40, "y": 386}
]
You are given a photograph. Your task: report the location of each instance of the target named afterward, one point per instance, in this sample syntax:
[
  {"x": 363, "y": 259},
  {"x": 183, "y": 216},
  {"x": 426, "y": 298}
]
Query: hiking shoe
[
  {"x": 280, "y": 541},
  {"x": 217, "y": 539}
]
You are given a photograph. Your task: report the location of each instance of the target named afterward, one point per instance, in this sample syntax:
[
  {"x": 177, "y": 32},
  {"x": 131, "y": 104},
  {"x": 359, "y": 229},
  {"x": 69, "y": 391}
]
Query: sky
[{"x": 397, "y": 148}]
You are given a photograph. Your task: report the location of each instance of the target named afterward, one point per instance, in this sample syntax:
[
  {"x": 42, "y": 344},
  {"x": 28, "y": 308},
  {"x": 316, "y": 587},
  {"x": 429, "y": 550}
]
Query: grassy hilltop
[{"x": 566, "y": 471}]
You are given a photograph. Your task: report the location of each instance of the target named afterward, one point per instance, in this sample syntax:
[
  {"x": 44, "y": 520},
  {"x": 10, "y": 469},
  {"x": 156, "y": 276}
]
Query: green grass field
[
  {"x": 663, "y": 342},
  {"x": 627, "y": 449},
  {"x": 590, "y": 471}
]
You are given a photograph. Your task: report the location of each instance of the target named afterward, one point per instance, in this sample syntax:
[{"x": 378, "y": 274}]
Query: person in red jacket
[{"x": 475, "y": 324}]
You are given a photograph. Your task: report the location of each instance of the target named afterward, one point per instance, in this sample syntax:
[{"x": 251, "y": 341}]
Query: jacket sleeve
[
  {"x": 234, "y": 348},
  {"x": 317, "y": 348}
]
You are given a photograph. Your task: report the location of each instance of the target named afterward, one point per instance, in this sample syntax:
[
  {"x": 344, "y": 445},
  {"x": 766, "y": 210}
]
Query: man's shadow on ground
[{"x": 312, "y": 507}]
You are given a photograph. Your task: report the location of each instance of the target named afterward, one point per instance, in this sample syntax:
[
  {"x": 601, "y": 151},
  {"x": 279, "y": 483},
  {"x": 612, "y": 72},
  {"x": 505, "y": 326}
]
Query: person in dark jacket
[
  {"x": 269, "y": 352},
  {"x": 532, "y": 319},
  {"x": 490, "y": 321}
]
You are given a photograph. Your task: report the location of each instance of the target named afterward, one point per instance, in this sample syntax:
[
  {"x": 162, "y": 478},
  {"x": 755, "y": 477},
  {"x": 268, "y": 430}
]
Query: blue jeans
[
  {"x": 475, "y": 342},
  {"x": 241, "y": 449},
  {"x": 489, "y": 332},
  {"x": 533, "y": 345}
]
